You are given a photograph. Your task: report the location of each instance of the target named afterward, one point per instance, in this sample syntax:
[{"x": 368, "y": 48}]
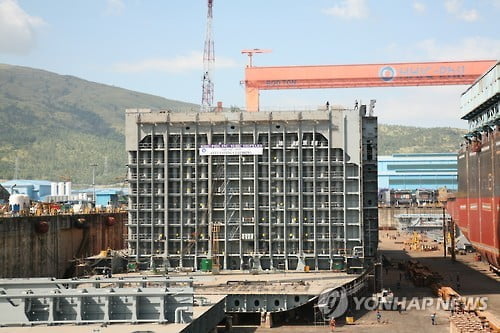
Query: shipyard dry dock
[
  {"x": 252, "y": 190},
  {"x": 265, "y": 193},
  {"x": 35, "y": 246}
]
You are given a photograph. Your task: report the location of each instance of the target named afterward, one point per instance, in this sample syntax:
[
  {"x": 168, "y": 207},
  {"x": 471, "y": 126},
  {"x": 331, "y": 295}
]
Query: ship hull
[
  {"x": 476, "y": 207},
  {"x": 478, "y": 226}
]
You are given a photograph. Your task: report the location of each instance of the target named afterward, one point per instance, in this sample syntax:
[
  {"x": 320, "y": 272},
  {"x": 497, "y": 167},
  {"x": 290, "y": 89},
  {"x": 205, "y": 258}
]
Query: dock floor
[{"x": 475, "y": 280}]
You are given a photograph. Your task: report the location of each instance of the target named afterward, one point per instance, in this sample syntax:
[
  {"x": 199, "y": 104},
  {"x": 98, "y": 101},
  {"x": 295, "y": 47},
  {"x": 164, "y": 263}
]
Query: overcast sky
[{"x": 156, "y": 46}]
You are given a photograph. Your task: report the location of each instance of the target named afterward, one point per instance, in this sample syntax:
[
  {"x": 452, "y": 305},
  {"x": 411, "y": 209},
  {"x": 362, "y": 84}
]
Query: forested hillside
[
  {"x": 54, "y": 126},
  {"x": 394, "y": 139}
]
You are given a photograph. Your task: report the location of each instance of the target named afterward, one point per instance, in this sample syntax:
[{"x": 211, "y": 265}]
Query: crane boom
[
  {"x": 207, "y": 95},
  {"x": 251, "y": 52},
  {"x": 354, "y": 76}
]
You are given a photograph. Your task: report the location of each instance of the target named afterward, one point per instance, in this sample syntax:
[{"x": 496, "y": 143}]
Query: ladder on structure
[{"x": 215, "y": 248}]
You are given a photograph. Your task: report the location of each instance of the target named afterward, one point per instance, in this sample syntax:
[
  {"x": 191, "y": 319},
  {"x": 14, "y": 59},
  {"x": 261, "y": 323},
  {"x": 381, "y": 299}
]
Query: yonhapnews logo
[{"x": 333, "y": 303}]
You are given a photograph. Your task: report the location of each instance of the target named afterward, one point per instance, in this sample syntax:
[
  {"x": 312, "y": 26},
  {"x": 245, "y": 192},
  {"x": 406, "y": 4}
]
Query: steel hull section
[
  {"x": 476, "y": 207},
  {"x": 479, "y": 224}
]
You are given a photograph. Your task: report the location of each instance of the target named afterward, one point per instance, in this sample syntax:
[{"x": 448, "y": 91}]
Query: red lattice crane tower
[{"x": 207, "y": 97}]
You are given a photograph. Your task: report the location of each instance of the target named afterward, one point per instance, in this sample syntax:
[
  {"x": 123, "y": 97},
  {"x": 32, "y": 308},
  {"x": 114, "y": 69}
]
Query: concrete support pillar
[
  {"x": 252, "y": 99},
  {"x": 266, "y": 320},
  {"x": 79, "y": 309},
  {"x": 50, "y": 319},
  {"x": 229, "y": 324},
  {"x": 162, "y": 318},
  {"x": 135, "y": 301},
  {"x": 106, "y": 309}
]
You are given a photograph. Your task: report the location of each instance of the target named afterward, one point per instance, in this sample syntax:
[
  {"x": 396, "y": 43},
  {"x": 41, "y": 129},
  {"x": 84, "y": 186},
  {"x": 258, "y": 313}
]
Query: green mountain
[
  {"x": 54, "y": 126},
  {"x": 393, "y": 139}
]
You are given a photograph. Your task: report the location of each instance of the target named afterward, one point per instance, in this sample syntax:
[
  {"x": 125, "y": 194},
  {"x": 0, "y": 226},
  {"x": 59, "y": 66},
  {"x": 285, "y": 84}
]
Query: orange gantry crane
[
  {"x": 251, "y": 52},
  {"x": 357, "y": 76}
]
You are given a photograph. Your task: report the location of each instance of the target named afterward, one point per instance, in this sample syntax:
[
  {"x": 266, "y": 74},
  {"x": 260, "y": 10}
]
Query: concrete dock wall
[{"x": 27, "y": 251}]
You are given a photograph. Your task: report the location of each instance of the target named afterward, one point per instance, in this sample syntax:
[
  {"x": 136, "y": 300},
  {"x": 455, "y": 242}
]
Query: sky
[{"x": 156, "y": 46}]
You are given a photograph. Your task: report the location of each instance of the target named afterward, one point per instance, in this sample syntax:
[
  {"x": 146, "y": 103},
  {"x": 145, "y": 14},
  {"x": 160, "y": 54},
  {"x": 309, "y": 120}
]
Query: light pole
[
  {"x": 93, "y": 181},
  {"x": 445, "y": 227}
]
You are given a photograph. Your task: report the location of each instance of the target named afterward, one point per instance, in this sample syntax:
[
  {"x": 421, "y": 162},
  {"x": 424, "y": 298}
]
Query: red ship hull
[{"x": 476, "y": 207}]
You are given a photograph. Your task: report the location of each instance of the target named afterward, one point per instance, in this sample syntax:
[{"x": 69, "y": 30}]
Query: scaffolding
[{"x": 291, "y": 188}]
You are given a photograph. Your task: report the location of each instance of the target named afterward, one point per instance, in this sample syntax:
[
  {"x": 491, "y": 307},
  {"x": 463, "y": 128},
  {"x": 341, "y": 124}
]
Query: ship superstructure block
[{"x": 266, "y": 190}]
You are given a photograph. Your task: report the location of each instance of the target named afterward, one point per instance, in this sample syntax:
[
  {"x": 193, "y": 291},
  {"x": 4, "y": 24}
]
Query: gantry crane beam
[{"x": 357, "y": 76}]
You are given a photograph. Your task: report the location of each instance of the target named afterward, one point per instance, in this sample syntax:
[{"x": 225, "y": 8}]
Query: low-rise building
[{"x": 418, "y": 171}]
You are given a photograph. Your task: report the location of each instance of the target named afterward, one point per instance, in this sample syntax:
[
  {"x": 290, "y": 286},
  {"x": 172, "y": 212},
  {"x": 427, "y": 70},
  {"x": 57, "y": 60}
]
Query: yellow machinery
[
  {"x": 415, "y": 241},
  {"x": 215, "y": 248}
]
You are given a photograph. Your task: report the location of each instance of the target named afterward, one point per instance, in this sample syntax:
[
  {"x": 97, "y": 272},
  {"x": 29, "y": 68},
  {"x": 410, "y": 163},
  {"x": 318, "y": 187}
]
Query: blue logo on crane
[{"x": 387, "y": 73}]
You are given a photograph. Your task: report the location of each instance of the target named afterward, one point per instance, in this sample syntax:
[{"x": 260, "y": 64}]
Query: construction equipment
[
  {"x": 251, "y": 52},
  {"x": 215, "y": 229},
  {"x": 356, "y": 76},
  {"x": 106, "y": 262},
  {"x": 418, "y": 242},
  {"x": 207, "y": 97},
  {"x": 384, "y": 300},
  {"x": 415, "y": 241},
  {"x": 421, "y": 275}
]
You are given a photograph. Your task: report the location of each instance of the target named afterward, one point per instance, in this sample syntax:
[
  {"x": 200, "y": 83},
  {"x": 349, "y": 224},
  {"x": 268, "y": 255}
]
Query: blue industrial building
[
  {"x": 418, "y": 171},
  {"x": 35, "y": 189},
  {"x": 104, "y": 197},
  {"x": 108, "y": 197}
]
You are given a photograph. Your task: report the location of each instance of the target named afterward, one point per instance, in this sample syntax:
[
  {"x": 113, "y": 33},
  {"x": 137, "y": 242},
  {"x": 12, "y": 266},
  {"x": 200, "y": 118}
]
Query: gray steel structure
[
  {"x": 285, "y": 301},
  {"x": 309, "y": 199},
  {"x": 79, "y": 301}
]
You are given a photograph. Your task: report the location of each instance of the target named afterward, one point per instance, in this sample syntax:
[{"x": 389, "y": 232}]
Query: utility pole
[
  {"x": 452, "y": 236},
  {"x": 16, "y": 168},
  {"x": 93, "y": 181},
  {"x": 105, "y": 171},
  {"x": 444, "y": 230}
]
